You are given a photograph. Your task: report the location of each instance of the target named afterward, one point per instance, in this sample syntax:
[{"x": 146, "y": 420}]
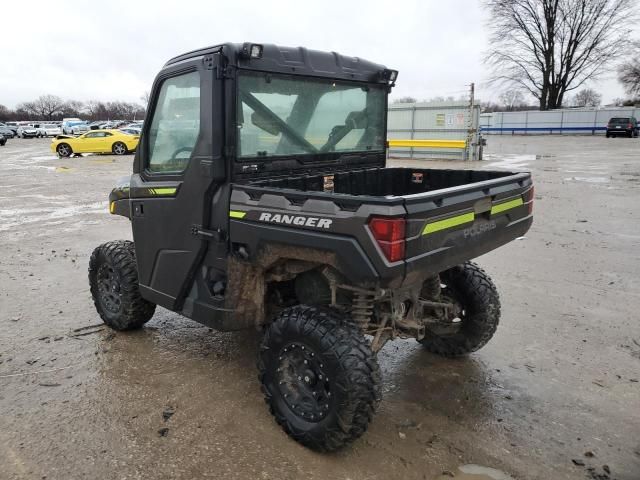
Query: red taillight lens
[
  {"x": 630, "y": 126},
  {"x": 529, "y": 199},
  {"x": 389, "y": 234}
]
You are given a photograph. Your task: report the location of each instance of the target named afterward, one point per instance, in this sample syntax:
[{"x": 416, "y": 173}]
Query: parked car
[
  {"x": 27, "y": 131},
  {"x": 49, "y": 130},
  {"x": 99, "y": 125},
  {"x": 95, "y": 141},
  {"x": 67, "y": 123},
  {"x": 13, "y": 126},
  {"x": 6, "y": 132},
  {"x": 130, "y": 130},
  {"x": 79, "y": 128},
  {"x": 627, "y": 126}
]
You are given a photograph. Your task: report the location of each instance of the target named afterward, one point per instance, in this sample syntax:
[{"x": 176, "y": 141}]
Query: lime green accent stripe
[
  {"x": 503, "y": 207},
  {"x": 448, "y": 223},
  {"x": 236, "y": 214},
  {"x": 163, "y": 191}
]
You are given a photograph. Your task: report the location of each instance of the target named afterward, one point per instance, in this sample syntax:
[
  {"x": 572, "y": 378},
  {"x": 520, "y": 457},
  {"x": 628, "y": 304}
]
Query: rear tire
[
  {"x": 119, "y": 148},
  {"x": 471, "y": 288},
  {"x": 319, "y": 377},
  {"x": 113, "y": 278}
]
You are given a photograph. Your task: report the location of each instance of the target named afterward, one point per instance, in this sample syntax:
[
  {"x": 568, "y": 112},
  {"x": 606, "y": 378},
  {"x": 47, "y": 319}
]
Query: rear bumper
[{"x": 461, "y": 248}]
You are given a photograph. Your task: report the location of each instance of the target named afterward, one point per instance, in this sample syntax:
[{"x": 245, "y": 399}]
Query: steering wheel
[{"x": 179, "y": 151}]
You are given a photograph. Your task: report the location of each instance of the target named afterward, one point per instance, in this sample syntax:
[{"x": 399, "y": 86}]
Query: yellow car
[{"x": 95, "y": 141}]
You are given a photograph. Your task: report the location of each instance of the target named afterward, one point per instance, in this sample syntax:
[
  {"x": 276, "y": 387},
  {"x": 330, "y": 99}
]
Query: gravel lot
[{"x": 555, "y": 395}]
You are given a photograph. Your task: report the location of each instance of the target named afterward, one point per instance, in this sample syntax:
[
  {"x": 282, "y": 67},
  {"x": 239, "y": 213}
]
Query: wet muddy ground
[{"x": 555, "y": 395}]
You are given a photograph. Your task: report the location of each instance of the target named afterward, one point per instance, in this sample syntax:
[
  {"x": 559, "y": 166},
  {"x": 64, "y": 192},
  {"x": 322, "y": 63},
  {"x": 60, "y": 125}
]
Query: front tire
[
  {"x": 319, "y": 376},
  {"x": 469, "y": 287},
  {"x": 64, "y": 150},
  {"x": 119, "y": 148},
  {"x": 113, "y": 278}
]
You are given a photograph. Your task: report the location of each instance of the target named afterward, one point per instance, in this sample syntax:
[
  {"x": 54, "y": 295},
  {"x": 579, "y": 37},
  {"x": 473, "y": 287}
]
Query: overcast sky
[{"x": 111, "y": 50}]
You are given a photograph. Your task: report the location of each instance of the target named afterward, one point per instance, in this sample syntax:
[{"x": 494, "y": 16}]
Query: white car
[
  {"x": 79, "y": 128},
  {"x": 27, "y": 131},
  {"x": 49, "y": 130}
]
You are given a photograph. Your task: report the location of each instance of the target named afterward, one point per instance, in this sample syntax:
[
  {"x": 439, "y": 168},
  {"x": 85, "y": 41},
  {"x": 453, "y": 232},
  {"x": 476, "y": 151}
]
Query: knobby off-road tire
[
  {"x": 113, "y": 277},
  {"x": 470, "y": 287},
  {"x": 319, "y": 376}
]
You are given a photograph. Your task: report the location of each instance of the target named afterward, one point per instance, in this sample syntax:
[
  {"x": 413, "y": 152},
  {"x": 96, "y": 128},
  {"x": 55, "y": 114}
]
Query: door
[
  {"x": 90, "y": 142},
  {"x": 178, "y": 165}
]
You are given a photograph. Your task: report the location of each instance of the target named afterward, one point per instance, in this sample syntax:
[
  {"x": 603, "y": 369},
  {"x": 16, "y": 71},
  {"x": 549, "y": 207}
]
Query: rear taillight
[
  {"x": 630, "y": 126},
  {"x": 529, "y": 199},
  {"x": 389, "y": 234}
]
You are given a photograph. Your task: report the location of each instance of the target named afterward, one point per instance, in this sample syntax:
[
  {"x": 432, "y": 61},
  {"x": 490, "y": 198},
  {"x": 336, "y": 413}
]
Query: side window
[{"x": 175, "y": 124}]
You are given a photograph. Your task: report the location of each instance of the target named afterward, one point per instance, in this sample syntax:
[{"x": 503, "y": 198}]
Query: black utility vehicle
[
  {"x": 260, "y": 199},
  {"x": 627, "y": 126}
]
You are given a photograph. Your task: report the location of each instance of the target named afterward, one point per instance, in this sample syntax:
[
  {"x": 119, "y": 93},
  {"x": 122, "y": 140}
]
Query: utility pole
[{"x": 471, "y": 146}]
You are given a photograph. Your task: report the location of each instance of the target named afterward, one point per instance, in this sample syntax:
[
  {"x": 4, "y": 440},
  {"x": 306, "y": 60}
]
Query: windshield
[{"x": 280, "y": 115}]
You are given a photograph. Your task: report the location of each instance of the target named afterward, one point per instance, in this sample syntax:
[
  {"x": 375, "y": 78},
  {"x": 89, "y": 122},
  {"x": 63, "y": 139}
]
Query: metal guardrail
[{"x": 428, "y": 143}]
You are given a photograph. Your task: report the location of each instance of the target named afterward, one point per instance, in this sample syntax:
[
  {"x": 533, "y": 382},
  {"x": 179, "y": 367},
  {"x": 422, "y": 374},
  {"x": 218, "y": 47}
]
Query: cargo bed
[{"x": 450, "y": 216}]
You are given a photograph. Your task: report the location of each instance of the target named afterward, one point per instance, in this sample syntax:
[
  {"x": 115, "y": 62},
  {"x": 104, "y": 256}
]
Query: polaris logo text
[
  {"x": 479, "y": 229},
  {"x": 296, "y": 220}
]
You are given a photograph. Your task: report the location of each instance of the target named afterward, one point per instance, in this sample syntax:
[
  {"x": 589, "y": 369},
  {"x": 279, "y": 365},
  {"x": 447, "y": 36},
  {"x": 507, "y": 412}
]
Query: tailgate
[{"x": 449, "y": 226}]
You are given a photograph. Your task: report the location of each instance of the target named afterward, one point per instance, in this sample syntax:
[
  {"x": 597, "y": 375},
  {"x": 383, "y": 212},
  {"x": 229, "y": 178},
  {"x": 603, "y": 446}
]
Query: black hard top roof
[{"x": 294, "y": 60}]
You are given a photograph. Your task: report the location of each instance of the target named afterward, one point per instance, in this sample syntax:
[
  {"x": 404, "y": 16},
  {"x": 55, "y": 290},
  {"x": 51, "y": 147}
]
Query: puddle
[
  {"x": 476, "y": 472},
  {"x": 588, "y": 179},
  {"x": 509, "y": 161},
  {"x": 15, "y": 217}
]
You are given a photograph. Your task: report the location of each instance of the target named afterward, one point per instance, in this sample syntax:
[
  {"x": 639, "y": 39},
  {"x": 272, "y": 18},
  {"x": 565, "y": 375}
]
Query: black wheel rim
[
  {"x": 109, "y": 289},
  {"x": 303, "y": 383}
]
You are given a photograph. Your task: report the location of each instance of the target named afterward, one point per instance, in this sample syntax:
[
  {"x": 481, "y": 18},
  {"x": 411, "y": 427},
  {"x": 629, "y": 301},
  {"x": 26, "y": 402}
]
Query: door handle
[{"x": 138, "y": 209}]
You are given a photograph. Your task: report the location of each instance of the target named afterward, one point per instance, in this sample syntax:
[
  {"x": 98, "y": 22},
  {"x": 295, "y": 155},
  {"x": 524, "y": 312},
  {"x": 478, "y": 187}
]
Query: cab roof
[{"x": 293, "y": 60}]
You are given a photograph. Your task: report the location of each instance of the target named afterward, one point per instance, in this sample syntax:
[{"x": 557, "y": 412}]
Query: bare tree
[
  {"x": 512, "y": 98},
  {"x": 629, "y": 72},
  {"x": 405, "y": 100},
  {"x": 72, "y": 108},
  {"x": 5, "y": 113},
  {"x": 49, "y": 106},
  {"x": 145, "y": 99},
  {"x": 551, "y": 47},
  {"x": 587, "y": 97}
]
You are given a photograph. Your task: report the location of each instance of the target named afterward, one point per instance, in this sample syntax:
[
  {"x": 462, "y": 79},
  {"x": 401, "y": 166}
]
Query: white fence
[{"x": 572, "y": 121}]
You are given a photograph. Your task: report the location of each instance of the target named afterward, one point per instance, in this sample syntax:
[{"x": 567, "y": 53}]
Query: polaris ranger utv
[{"x": 260, "y": 199}]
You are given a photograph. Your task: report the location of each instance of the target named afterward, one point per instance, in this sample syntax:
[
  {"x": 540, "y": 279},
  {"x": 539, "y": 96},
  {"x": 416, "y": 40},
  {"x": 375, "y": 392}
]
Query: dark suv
[{"x": 627, "y": 126}]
